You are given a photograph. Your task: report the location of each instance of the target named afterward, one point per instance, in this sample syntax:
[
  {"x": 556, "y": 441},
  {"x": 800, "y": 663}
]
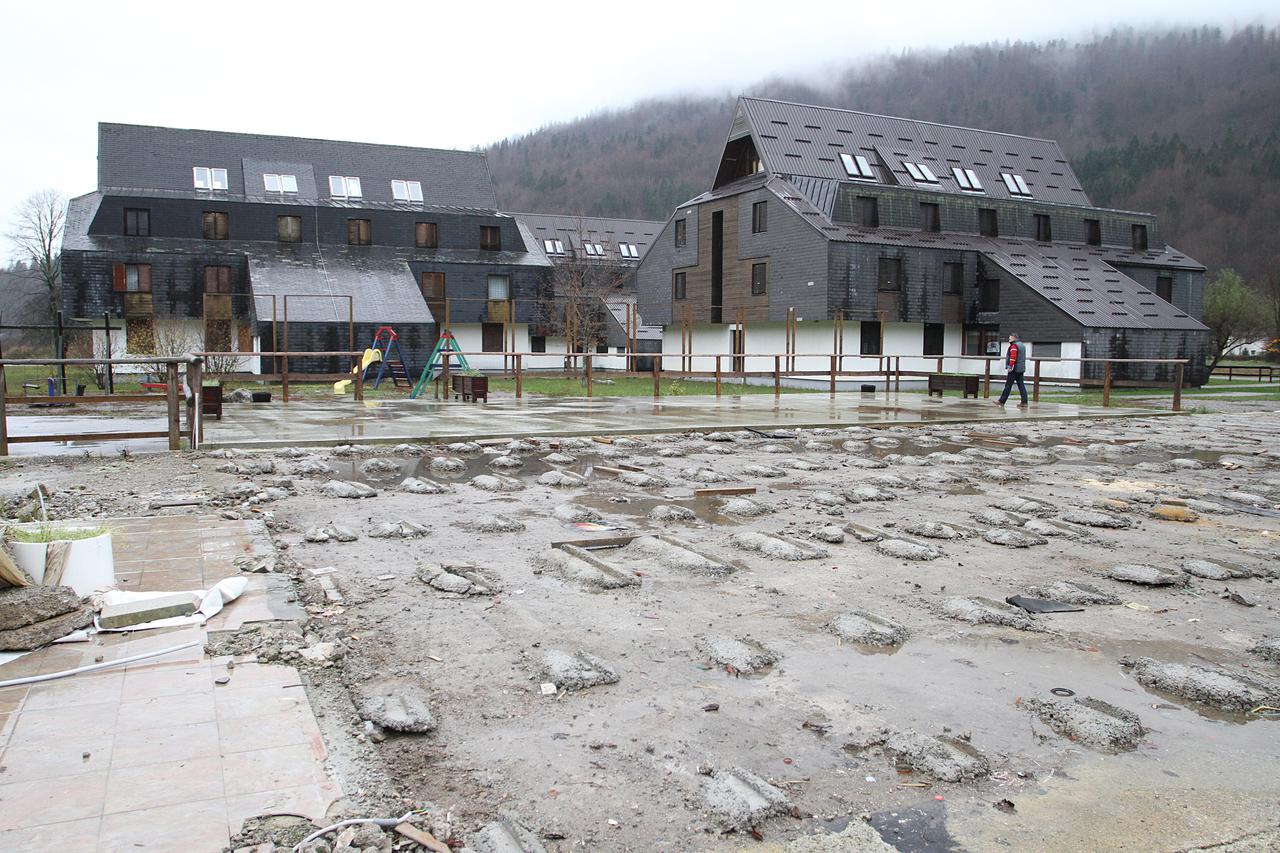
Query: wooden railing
[
  {"x": 172, "y": 397},
  {"x": 1248, "y": 371}
]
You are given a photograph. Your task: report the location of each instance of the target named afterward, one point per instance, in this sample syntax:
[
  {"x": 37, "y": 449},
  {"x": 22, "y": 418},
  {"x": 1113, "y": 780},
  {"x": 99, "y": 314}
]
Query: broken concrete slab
[
  {"x": 128, "y": 613},
  {"x": 904, "y": 550},
  {"x": 1216, "y": 687},
  {"x": 830, "y": 534},
  {"x": 1074, "y": 592},
  {"x": 37, "y": 634},
  {"x": 1091, "y": 518},
  {"x": 506, "y": 463},
  {"x": 1213, "y": 570},
  {"x": 741, "y": 800},
  {"x": 506, "y": 835},
  {"x": 492, "y": 523},
  {"x": 398, "y": 704},
  {"x": 447, "y": 465},
  {"x": 560, "y": 480},
  {"x": 867, "y": 629},
  {"x": 1001, "y": 475},
  {"x": 743, "y": 654},
  {"x": 1268, "y": 649},
  {"x": 943, "y": 758},
  {"x": 495, "y": 483},
  {"x": 744, "y": 507},
  {"x": 672, "y": 513},
  {"x": 27, "y": 605},
  {"x": 461, "y": 580},
  {"x": 380, "y": 466},
  {"x": 572, "y": 671},
  {"x": 416, "y": 486},
  {"x": 670, "y": 552},
  {"x": 574, "y": 513},
  {"x": 978, "y": 610},
  {"x": 348, "y": 489},
  {"x": 776, "y": 547},
  {"x": 641, "y": 480},
  {"x": 1140, "y": 573},
  {"x": 998, "y": 518},
  {"x": 705, "y": 475},
  {"x": 766, "y": 471},
  {"x": 1089, "y": 721},
  {"x": 559, "y": 459},
  {"x": 1013, "y": 538},
  {"x": 867, "y": 492},
  {"x": 312, "y": 468},
  {"x": 581, "y": 567},
  {"x": 932, "y": 530},
  {"x": 402, "y": 529}
]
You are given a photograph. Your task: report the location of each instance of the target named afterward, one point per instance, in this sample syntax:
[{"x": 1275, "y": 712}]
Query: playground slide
[{"x": 371, "y": 356}]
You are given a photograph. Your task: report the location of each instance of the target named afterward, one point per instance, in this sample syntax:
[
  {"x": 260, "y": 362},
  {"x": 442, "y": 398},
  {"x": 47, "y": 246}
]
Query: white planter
[{"x": 90, "y": 564}]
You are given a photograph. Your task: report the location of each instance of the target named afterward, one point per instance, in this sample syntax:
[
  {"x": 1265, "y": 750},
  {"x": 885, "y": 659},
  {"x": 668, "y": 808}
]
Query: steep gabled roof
[
  {"x": 807, "y": 141},
  {"x": 145, "y": 158}
]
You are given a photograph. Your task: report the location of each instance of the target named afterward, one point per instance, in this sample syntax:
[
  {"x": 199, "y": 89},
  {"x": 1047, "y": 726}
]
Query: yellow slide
[{"x": 371, "y": 356}]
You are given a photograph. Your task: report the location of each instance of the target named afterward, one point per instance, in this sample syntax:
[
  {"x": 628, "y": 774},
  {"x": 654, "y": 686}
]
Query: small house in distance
[{"x": 827, "y": 230}]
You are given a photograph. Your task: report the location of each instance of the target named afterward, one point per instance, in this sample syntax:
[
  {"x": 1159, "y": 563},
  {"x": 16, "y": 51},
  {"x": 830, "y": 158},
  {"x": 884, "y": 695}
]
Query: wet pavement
[{"x": 332, "y": 422}]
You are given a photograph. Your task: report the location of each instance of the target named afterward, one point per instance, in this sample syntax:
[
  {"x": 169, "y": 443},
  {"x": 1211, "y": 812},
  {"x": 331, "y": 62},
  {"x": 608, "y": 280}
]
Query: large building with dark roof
[
  {"x": 207, "y": 239},
  {"x": 830, "y": 230}
]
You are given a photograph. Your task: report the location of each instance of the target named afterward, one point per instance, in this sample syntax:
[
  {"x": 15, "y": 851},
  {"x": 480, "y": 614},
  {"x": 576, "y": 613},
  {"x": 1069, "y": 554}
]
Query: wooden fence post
[
  {"x": 586, "y": 365},
  {"x": 195, "y": 378},
  {"x": 657, "y": 376},
  {"x": 444, "y": 374},
  {"x": 1035, "y": 384},
  {"x": 519, "y": 375},
  {"x": 833, "y": 377},
  {"x": 171, "y": 397},
  {"x": 777, "y": 375},
  {"x": 986, "y": 382},
  {"x": 1106, "y": 384},
  {"x": 717, "y": 377},
  {"x": 359, "y": 386},
  {"x": 106, "y": 328},
  {"x": 897, "y": 373},
  {"x": 4, "y": 415},
  {"x": 1177, "y": 387}
]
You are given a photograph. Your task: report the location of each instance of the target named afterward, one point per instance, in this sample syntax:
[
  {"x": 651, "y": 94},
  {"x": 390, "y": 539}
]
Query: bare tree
[
  {"x": 572, "y": 305},
  {"x": 37, "y": 233}
]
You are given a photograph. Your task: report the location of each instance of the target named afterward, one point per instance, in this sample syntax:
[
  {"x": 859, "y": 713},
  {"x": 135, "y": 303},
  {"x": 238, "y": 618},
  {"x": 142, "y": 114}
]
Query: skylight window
[
  {"x": 208, "y": 178},
  {"x": 589, "y": 248},
  {"x": 280, "y": 183},
  {"x": 967, "y": 180},
  {"x": 406, "y": 190},
  {"x": 1015, "y": 184},
  {"x": 341, "y": 186},
  {"x": 920, "y": 173},
  {"x": 857, "y": 167},
  {"x": 628, "y": 250},
  {"x": 553, "y": 247}
]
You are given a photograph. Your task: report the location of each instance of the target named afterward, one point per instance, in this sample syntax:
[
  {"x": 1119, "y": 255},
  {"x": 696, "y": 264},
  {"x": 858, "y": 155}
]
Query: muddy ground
[{"x": 877, "y": 680}]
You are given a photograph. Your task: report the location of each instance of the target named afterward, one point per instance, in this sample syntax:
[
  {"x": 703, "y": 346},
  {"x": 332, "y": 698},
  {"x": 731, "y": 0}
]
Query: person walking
[{"x": 1015, "y": 362}]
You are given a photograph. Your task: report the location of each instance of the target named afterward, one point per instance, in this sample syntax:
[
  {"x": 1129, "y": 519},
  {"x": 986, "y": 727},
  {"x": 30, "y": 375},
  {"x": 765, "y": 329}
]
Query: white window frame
[
  {"x": 857, "y": 166},
  {"x": 920, "y": 173},
  {"x": 506, "y": 280},
  {"x": 599, "y": 250},
  {"x": 350, "y": 187},
  {"x": 208, "y": 178},
  {"x": 284, "y": 183},
  {"x": 967, "y": 180},
  {"x": 589, "y": 248},
  {"x": 1015, "y": 184},
  {"x": 559, "y": 247},
  {"x": 406, "y": 190}
]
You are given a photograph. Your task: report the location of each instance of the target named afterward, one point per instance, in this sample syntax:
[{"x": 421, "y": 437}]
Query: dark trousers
[{"x": 1008, "y": 386}]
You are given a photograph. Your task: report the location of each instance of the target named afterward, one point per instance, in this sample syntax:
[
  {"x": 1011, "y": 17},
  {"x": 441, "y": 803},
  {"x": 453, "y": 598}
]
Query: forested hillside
[{"x": 1185, "y": 124}]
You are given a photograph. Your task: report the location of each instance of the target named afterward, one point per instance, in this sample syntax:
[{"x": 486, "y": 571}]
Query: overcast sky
[{"x": 452, "y": 74}]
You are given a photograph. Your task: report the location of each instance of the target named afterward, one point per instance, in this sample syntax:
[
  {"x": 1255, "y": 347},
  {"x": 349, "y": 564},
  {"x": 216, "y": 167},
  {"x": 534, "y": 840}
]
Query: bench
[
  {"x": 162, "y": 387},
  {"x": 967, "y": 385}
]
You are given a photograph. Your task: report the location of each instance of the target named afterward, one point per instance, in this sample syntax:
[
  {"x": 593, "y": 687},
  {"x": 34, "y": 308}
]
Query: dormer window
[
  {"x": 857, "y": 167},
  {"x": 1015, "y": 185},
  {"x": 920, "y": 173},
  {"x": 209, "y": 178},
  {"x": 341, "y": 186},
  {"x": 406, "y": 190},
  {"x": 967, "y": 180},
  {"x": 280, "y": 183},
  {"x": 553, "y": 247}
]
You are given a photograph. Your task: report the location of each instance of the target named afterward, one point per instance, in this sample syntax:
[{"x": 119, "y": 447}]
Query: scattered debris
[
  {"x": 398, "y": 704},
  {"x": 946, "y": 759}
]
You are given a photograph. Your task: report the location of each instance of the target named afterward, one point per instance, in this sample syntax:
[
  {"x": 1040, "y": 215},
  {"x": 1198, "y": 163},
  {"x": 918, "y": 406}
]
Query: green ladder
[{"x": 446, "y": 343}]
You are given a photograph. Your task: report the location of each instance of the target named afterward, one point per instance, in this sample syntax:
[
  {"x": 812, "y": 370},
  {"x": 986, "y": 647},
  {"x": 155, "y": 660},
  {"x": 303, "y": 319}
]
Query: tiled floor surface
[
  {"x": 156, "y": 755},
  {"x": 339, "y": 420}
]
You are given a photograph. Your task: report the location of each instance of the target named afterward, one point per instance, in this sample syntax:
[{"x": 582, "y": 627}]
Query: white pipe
[
  {"x": 384, "y": 822},
  {"x": 32, "y": 679}
]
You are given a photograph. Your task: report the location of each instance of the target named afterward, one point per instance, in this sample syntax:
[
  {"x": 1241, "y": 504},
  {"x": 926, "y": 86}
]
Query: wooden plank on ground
[
  {"x": 605, "y": 469},
  {"x": 715, "y": 491},
  {"x": 588, "y": 544},
  {"x": 421, "y": 836},
  {"x": 602, "y": 439}
]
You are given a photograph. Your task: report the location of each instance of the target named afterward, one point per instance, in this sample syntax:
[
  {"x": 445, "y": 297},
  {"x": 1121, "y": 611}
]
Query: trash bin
[{"x": 868, "y": 389}]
